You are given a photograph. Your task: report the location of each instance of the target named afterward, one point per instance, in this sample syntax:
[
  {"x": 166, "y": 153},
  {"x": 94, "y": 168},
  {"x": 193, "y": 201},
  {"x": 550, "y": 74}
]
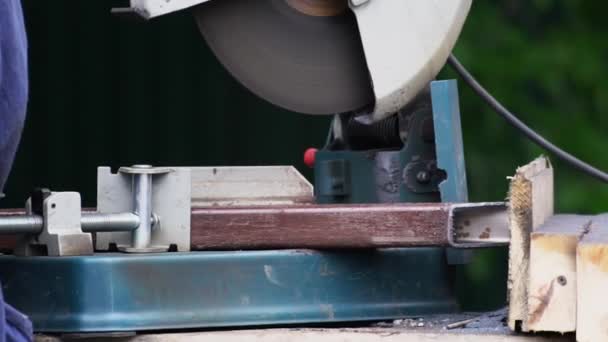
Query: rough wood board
[
  {"x": 327, "y": 335},
  {"x": 530, "y": 205},
  {"x": 592, "y": 285},
  {"x": 552, "y": 286}
]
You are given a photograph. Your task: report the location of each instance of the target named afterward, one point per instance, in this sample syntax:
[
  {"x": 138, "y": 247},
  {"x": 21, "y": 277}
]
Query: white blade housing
[{"x": 406, "y": 43}]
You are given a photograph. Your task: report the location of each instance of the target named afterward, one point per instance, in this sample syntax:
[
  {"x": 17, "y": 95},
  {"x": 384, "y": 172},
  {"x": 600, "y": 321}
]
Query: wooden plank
[
  {"x": 592, "y": 272},
  {"x": 530, "y": 205},
  {"x": 320, "y": 226},
  {"x": 552, "y": 286}
]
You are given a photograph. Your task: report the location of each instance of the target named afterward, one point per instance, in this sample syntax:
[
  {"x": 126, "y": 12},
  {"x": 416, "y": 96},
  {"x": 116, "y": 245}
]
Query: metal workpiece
[
  {"x": 478, "y": 225},
  {"x": 328, "y": 226},
  {"x": 341, "y": 226}
]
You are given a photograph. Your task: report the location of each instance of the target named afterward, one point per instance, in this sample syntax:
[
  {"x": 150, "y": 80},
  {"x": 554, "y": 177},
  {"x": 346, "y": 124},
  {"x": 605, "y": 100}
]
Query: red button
[{"x": 309, "y": 157}]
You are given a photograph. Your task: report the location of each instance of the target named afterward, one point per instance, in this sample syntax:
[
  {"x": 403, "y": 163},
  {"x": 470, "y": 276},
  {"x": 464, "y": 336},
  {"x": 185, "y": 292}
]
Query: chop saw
[
  {"x": 201, "y": 247},
  {"x": 368, "y": 63}
]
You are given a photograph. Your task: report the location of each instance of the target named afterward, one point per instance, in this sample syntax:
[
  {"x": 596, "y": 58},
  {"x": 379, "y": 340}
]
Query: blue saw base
[{"x": 119, "y": 292}]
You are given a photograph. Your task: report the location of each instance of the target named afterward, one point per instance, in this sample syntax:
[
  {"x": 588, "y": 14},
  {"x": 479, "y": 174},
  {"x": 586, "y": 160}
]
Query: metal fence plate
[{"x": 170, "y": 202}]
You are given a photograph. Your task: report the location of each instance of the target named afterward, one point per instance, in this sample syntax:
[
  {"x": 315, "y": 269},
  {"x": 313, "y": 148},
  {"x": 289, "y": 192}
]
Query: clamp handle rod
[{"x": 90, "y": 222}]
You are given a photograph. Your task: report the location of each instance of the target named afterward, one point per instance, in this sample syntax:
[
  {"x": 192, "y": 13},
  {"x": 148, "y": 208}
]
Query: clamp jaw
[
  {"x": 61, "y": 234},
  {"x": 131, "y": 206}
]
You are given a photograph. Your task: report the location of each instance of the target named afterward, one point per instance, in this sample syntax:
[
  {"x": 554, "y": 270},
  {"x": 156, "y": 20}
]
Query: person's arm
[
  {"x": 13, "y": 82},
  {"x": 14, "y": 326}
]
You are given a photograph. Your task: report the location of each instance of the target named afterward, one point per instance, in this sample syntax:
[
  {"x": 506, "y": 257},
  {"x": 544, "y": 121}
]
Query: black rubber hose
[{"x": 522, "y": 127}]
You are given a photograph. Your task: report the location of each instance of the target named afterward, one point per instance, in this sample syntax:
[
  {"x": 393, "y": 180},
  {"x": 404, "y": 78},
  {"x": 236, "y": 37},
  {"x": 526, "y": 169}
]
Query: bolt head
[{"x": 423, "y": 177}]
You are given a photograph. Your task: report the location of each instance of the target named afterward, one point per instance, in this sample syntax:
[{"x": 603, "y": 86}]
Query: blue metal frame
[
  {"x": 448, "y": 141},
  {"x": 118, "y": 292},
  {"x": 346, "y": 176}
]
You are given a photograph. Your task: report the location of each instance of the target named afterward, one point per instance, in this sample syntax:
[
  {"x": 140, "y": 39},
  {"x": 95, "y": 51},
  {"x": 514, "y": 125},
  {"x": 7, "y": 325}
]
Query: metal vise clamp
[
  {"x": 53, "y": 223},
  {"x": 131, "y": 206},
  {"x": 160, "y": 196}
]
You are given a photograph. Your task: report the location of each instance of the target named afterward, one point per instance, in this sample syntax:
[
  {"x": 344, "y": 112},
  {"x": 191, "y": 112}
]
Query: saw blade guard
[{"x": 297, "y": 55}]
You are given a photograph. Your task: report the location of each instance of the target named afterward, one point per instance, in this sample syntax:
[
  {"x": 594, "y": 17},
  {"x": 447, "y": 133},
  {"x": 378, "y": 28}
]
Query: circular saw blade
[{"x": 304, "y": 63}]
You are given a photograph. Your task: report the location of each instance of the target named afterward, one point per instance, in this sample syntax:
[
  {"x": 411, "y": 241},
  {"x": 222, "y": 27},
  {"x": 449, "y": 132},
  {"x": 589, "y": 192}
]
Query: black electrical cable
[{"x": 519, "y": 125}]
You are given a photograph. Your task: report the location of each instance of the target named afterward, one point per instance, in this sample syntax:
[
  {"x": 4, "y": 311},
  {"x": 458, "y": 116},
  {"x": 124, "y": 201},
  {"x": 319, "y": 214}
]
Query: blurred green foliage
[
  {"x": 545, "y": 60},
  {"x": 108, "y": 91}
]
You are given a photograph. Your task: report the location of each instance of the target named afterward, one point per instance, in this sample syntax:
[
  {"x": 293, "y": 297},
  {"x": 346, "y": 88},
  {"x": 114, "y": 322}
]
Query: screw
[
  {"x": 562, "y": 280},
  {"x": 423, "y": 177}
]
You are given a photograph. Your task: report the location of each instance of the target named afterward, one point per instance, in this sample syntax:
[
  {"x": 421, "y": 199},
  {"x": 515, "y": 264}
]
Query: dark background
[{"x": 110, "y": 91}]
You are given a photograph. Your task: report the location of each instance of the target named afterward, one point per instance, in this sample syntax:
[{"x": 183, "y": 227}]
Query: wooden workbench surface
[
  {"x": 449, "y": 328},
  {"x": 328, "y": 335}
]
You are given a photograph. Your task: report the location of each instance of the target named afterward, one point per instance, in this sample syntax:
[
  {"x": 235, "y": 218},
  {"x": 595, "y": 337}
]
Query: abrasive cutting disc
[{"x": 307, "y": 60}]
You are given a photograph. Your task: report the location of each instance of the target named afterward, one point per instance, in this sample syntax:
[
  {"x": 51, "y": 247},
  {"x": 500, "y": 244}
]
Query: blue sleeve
[
  {"x": 13, "y": 82},
  {"x": 14, "y": 326}
]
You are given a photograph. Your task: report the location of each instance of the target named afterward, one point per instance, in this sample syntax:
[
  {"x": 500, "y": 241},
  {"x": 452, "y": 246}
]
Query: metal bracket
[
  {"x": 62, "y": 233},
  {"x": 150, "y": 192}
]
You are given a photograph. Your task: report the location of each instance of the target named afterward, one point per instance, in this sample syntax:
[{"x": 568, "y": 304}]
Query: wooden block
[
  {"x": 530, "y": 205},
  {"x": 552, "y": 285},
  {"x": 592, "y": 284}
]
